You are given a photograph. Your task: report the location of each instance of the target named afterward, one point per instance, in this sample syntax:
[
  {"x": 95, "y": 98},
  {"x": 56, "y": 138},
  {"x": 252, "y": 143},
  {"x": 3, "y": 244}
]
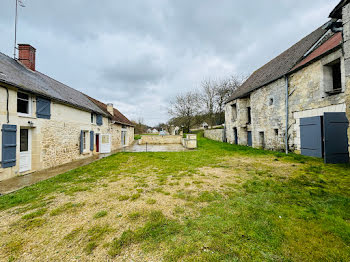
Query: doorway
[
  {"x": 97, "y": 143},
  {"x": 235, "y": 135},
  {"x": 25, "y": 158},
  {"x": 124, "y": 138}
]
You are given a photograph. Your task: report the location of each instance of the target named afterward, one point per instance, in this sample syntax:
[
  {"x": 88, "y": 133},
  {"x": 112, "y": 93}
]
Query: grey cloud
[{"x": 138, "y": 54}]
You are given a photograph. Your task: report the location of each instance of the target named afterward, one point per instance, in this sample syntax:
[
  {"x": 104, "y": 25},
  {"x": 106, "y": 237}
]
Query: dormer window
[{"x": 23, "y": 104}]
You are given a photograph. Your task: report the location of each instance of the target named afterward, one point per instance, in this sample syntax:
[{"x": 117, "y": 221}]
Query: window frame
[
  {"x": 234, "y": 112},
  {"x": 85, "y": 133},
  {"x": 30, "y": 107},
  {"x": 328, "y": 79},
  {"x": 93, "y": 118}
]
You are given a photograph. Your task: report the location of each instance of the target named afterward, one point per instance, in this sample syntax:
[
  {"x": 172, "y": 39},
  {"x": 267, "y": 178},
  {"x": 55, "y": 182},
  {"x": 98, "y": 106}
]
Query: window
[
  {"x": 332, "y": 78},
  {"x": 336, "y": 73},
  {"x": 276, "y": 132},
  {"x": 23, "y": 103},
  {"x": 249, "y": 112},
  {"x": 85, "y": 134},
  {"x": 24, "y": 140},
  {"x": 234, "y": 112},
  {"x": 271, "y": 102},
  {"x": 93, "y": 118}
]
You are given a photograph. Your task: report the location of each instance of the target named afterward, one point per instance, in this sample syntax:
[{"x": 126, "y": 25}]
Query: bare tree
[
  {"x": 185, "y": 108},
  {"x": 208, "y": 98}
]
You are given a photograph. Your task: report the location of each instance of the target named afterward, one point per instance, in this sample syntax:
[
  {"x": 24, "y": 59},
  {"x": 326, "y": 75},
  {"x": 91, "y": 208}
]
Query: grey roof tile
[
  {"x": 279, "y": 66},
  {"x": 14, "y": 73}
]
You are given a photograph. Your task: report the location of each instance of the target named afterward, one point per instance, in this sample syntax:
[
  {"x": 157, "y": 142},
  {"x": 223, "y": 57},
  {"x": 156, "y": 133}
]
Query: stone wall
[
  {"x": 160, "y": 140},
  {"x": 346, "y": 50},
  {"x": 308, "y": 97},
  {"x": 215, "y": 134},
  {"x": 267, "y": 117}
]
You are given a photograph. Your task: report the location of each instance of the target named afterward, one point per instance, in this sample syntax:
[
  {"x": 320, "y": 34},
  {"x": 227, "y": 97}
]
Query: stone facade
[
  {"x": 267, "y": 117},
  {"x": 307, "y": 98},
  {"x": 346, "y": 51},
  {"x": 215, "y": 134},
  {"x": 55, "y": 141}
]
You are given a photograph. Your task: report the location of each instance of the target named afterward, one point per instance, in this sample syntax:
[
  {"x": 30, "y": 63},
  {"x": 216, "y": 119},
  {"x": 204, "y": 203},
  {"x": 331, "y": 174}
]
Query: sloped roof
[
  {"x": 336, "y": 13},
  {"x": 117, "y": 117},
  {"x": 278, "y": 66},
  {"x": 16, "y": 74},
  {"x": 333, "y": 42}
]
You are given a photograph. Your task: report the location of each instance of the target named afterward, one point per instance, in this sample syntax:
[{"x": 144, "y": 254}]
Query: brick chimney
[
  {"x": 27, "y": 55},
  {"x": 110, "y": 109}
]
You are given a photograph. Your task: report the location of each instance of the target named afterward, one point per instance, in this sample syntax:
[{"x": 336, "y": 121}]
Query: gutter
[{"x": 6, "y": 84}]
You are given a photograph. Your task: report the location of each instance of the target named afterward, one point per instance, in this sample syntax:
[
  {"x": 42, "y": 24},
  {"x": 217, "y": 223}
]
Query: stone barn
[{"x": 299, "y": 101}]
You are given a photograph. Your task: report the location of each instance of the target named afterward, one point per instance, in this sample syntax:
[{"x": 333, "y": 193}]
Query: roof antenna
[{"x": 20, "y": 3}]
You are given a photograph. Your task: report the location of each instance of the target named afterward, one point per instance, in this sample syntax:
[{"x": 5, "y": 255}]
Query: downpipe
[{"x": 287, "y": 115}]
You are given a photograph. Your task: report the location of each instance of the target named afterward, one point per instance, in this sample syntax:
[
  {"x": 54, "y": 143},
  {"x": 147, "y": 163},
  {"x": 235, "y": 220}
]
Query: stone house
[
  {"x": 45, "y": 123},
  {"x": 298, "y": 101}
]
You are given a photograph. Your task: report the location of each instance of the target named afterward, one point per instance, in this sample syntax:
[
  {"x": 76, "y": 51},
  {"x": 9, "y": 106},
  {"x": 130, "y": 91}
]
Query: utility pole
[{"x": 18, "y": 2}]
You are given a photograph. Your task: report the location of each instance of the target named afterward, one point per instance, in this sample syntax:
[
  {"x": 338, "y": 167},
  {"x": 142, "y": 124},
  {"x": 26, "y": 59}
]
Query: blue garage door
[
  {"x": 311, "y": 136},
  {"x": 336, "y": 138}
]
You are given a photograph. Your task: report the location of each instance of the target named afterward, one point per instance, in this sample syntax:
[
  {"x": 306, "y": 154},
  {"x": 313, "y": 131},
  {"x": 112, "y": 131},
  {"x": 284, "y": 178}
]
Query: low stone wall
[
  {"x": 160, "y": 140},
  {"x": 215, "y": 134}
]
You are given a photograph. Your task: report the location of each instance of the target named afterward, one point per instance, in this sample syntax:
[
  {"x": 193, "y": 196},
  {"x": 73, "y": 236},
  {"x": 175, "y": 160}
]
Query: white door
[
  {"x": 25, "y": 157},
  {"x": 105, "y": 143}
]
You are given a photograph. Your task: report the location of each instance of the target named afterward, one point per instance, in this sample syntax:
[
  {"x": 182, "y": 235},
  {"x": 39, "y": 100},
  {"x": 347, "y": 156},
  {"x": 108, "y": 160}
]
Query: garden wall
[{"x": 215, "y": 134}]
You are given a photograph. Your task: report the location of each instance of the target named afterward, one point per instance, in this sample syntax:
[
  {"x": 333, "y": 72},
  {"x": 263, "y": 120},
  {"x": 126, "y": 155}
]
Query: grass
[
  {"x": 100, "y": 214},
  {"x": 219, "y": 203}
]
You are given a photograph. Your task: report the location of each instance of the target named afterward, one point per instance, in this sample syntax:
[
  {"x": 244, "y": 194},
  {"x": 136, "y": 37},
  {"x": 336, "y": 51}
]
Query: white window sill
[{"x": 25, "y": 116}]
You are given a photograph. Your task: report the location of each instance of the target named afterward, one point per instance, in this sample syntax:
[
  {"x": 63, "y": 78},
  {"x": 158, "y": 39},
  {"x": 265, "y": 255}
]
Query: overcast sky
[{"x": 139, "y": 54}]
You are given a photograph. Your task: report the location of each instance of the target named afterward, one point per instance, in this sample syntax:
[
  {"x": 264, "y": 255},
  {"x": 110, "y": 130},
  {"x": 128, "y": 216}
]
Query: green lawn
[{"x": 219, "y": 203}]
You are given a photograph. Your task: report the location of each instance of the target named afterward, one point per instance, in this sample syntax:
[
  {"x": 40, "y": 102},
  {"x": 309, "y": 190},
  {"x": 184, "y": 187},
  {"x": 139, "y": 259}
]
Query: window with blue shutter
[
  {"x": 92, "y": 135},
  {"x": 43, "y": 108},
  {"x": 9, "y": 145},
  {"x": 99, "y": 120},
  {"x": 81, "y": 142}
]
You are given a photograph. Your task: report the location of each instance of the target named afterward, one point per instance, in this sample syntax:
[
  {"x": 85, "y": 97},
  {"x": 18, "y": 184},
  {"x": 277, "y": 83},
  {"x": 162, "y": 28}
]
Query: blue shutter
[
  {"x": 43, "y": 108},
  {"x": 81, "y": 142},
  {"x": 311, "y": 136},
  {"x": 92, "y": 135},
  {"x": 99, "y": 120},
  {"x": 9, "y": 145},
  {"x": 336, "y": 142}
]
